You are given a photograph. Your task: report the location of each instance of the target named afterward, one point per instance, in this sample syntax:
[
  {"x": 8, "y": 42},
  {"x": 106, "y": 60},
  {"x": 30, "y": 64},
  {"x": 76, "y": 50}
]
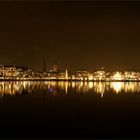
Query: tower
[
  {"x": 44, "y": 64},
  {"x": 66, "y": 74}
]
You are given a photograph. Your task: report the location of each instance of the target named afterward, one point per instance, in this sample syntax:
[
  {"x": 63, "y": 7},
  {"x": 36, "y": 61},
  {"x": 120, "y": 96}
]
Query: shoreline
[{"x": 69, "y": 80}]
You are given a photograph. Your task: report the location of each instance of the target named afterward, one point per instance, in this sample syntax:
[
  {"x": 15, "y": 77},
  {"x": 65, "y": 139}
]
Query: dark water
[{"x": 70, "y": 109}]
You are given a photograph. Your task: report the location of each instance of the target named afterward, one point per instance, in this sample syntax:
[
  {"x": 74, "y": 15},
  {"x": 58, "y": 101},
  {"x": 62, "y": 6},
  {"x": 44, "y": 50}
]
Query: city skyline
[{"x": 70, "y": 68}]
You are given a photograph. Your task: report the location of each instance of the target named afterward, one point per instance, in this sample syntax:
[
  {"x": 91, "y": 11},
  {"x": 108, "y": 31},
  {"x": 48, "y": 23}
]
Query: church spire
[
  {"x": 44, "y": 64},
  {"x": 66, "y": 74}
]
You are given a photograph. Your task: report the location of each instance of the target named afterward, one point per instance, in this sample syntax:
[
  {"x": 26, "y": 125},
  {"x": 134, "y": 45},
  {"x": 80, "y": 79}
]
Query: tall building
[
  {"x": 66, "y": 76},
  {"x": 44, "y": 65}
]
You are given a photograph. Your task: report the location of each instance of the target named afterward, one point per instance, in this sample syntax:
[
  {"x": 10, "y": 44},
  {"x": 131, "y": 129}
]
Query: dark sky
[{"x": 78, "y": 35}]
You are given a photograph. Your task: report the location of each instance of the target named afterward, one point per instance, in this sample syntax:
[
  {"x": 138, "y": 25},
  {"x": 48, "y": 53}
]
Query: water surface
[{"x": 80, "y": 109}]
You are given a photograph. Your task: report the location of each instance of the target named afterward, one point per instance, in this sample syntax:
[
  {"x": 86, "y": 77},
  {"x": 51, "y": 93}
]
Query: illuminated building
[
  {"x": 8, "y": 72},
  {"x": 130, "y": 75},
  {"x": 62, "y": 75},
  {"x": 108, "y": 76},
  {"x": 66, "y": 75},
  {"x": 117, "y": 76},
  {"x": 81, "y": 75},
  {"x": 23, "y": 73},
  {"x": 137, "y": 75},
  {"x": 90, "y": 77},
  {"x": 99, "y": 75},
  {"x": 54, "y": 72}
]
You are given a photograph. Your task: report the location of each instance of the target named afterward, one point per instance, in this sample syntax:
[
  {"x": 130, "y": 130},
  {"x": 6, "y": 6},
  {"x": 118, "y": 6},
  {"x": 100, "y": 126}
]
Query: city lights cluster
[{"x": 19, "y": 73}]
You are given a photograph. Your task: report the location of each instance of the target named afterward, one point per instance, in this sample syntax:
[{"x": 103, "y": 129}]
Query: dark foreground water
[{"x": 70, "y": 109}]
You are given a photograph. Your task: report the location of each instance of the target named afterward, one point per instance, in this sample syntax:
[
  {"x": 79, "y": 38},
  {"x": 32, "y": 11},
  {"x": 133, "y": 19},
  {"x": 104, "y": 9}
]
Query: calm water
[{"x": 76, "y": 109}]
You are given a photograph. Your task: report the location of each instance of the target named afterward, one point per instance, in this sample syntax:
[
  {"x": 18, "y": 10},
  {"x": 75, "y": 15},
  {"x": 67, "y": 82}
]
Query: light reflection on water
[{"x": 66, "y": 87}]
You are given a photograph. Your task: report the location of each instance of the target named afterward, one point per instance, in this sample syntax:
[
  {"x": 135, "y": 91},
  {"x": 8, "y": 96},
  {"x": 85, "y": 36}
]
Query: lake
[{"x": 69, "y": 109}]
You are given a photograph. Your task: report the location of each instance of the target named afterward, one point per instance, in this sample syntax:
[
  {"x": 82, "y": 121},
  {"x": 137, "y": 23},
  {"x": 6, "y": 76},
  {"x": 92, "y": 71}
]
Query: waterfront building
[
  {"x": 117, "y": 76},
  {"x": 54, "y": 72},
  {"x": 8, "y": 72},
  {"x": 62, "y": 75},
  {"x": 90, "y": 77},
  {"x": 108, "y": 76},
  {"x": 81, "y": 75},
  {"x": 130, "y": 75},
  {"x": 137, "y": 75},
  {"x": 99, "y": 75},
  {"x": 66, "y": 74}
]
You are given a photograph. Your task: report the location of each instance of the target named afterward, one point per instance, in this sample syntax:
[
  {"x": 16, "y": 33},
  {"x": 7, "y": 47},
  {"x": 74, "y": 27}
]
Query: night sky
[{"x": 77, "y": 35}]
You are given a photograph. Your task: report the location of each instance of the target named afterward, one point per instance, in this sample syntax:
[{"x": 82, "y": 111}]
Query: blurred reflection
[
  {"x": 68, "y": 87},
  {"x": 117, "y": 86}
]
